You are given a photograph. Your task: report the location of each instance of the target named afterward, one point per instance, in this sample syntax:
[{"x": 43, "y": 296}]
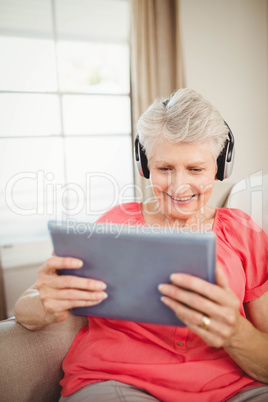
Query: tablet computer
[{"x": 133, "y": 261}]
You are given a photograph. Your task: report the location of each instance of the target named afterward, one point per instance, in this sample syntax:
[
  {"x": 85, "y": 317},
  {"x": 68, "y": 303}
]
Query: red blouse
[{"x": 172, "y": 363}]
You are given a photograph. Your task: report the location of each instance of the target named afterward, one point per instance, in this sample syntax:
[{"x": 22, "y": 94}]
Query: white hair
[{"x": 186, "y": 117}]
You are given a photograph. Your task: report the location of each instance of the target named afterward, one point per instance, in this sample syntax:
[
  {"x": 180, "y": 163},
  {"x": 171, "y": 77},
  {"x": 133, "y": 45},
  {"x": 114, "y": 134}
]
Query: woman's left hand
[{"x": 192, "y": 299}]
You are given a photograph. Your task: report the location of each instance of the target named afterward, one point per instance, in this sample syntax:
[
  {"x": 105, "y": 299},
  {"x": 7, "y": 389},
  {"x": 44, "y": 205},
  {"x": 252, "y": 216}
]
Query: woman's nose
[{"x": 180, "y": 183}]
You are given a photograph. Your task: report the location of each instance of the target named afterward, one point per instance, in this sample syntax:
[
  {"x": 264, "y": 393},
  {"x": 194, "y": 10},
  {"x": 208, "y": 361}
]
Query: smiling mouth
[{"x": 181, "y": 199}]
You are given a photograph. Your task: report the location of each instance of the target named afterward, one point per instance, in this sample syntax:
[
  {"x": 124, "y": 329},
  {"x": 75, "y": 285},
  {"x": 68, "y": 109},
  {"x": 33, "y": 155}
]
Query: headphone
[{"x": 225, "y": 160}]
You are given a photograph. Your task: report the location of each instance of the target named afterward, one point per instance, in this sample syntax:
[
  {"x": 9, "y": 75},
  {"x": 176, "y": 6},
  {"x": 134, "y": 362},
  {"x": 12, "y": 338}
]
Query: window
[{"x": 65, "y": 125}]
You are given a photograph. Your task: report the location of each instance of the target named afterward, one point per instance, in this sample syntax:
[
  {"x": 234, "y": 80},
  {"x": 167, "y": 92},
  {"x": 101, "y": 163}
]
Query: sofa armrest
[{"x": 30, "y": 368}]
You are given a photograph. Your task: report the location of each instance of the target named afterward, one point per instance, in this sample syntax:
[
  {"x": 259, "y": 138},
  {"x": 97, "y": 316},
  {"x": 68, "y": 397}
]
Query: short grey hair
[{"x": 186, "y": 117}]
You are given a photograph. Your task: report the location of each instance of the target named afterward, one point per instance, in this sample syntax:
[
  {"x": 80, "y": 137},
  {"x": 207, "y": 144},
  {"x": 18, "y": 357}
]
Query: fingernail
[
  {"x": 101, "y": 286},
  {"x": 161, "y": 287},
  {"x": 77, "y": 263},
  {"x": 164, "y": 299},
  {"x": 105, "y": 295}
]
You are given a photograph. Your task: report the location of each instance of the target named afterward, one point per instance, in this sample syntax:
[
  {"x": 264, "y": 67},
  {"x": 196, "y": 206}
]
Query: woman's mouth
[{"x": 183, "y": 199}]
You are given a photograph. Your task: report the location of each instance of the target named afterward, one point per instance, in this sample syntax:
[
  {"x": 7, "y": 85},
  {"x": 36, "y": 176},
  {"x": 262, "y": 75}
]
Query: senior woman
[{"x": 222, "y": 352}]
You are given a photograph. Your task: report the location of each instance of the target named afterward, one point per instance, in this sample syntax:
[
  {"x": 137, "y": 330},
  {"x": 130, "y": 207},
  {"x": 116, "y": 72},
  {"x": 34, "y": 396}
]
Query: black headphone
[{"x": 225, "y": 160}]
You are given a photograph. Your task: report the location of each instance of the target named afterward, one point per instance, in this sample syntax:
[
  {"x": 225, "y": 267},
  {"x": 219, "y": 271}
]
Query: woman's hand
[
  {"x": 60, "y": 293},
  {"x": 192, "y": 298}
]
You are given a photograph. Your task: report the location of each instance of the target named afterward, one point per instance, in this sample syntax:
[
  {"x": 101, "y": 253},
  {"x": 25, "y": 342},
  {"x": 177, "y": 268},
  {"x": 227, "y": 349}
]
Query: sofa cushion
[
  {"x": 31, "y": 361},
  {"x": 251, "y": 196}
]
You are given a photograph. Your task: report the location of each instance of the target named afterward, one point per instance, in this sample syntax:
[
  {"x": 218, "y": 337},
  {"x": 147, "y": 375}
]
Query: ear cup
[
  {"x": 225, "y": 160},
  {"x": 141, "y": 158}
]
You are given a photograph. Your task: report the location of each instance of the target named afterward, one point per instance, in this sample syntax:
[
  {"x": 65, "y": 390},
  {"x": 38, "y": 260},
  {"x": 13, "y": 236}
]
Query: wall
[
  {"x": 20, "y": 263},
  {"x": 225, "y": 53}
]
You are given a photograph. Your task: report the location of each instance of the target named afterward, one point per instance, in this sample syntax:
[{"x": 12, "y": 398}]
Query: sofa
[{"x": 30, "y": 361}]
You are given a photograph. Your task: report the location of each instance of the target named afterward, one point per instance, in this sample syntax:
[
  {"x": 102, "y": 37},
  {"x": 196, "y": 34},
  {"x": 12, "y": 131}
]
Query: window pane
[
  {"x": 102, "y": 20},
  {"x": 27, "y": 64},
  {"x": 31, "y": 175},
  {"x": 93, "y": 67},
  {"x": 96, "y": 114},
  {"x": 26, "y": 17},
  {"x": 29, "y": 114},
  {"x": 102, "y": 168}
]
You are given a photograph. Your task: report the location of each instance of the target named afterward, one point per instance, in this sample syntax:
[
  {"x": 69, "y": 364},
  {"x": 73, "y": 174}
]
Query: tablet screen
[{"x": 133, "y": 261}]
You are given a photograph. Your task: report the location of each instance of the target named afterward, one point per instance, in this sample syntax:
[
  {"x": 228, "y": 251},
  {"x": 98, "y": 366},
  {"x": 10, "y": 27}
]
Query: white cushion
[{"x": 251, "y": 196}]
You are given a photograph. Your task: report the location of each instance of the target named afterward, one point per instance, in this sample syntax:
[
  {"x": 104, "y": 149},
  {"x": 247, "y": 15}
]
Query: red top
[{"x": 172, "y": 363}]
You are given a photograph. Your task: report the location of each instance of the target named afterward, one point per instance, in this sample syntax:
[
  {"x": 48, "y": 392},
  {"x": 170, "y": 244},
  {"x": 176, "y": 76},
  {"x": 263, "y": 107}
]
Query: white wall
[
  {"x": 225, "y": 53},
  {"x": 20, "y": 263}
]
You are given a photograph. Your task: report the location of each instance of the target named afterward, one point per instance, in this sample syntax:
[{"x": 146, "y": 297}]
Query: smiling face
[{"x": 182, "y": 177}]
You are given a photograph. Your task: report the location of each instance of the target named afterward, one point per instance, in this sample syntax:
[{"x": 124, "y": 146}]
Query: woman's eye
[
  {"x": 196, "y": 170},
  {"x": 163, "y": 169}
]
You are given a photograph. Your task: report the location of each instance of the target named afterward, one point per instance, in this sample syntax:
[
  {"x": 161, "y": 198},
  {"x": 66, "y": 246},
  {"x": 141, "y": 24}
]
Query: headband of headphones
[{"x": 225, "y": 160}]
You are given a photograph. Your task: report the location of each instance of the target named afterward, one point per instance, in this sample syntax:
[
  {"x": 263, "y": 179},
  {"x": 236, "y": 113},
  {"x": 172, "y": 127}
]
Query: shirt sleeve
[
  {"x": 251, "y": 242},
  {"x": 256, "y": 265}
]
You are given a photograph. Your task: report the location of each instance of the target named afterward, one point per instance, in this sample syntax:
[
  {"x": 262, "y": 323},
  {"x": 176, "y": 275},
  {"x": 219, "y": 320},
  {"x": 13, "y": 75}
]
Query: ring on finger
[{"x": 205, "y": 322}]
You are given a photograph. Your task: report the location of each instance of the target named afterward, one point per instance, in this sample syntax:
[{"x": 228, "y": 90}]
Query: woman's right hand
[{"x": 60, "y": 293}]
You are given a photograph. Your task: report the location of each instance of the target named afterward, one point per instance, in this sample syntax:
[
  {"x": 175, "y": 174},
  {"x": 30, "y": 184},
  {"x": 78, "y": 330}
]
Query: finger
[
  {"x": 204, "y": 288},
  {"x": 224, "y": 313},
  {"x": 55, "y": 306},
  {"x": 70, "y": 282},
  {"x": 184, "y": 313},
  {"x": 193, "y": 301},
  {"x": 218, "y": 331},
  {"x": 55, "y": 263},
  {"x": 190, "y": 317},
  {"x": 72, "y": 294}
]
